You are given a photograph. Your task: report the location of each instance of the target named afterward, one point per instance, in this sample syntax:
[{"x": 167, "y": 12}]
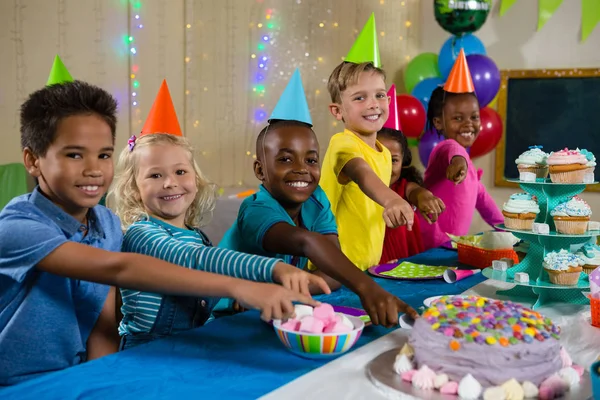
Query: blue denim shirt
[{"x": 45, "y": 319}]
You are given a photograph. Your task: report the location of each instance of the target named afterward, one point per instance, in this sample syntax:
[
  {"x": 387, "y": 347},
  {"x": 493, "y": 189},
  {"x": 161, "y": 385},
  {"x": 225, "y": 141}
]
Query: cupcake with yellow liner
[
  {"x": 567, "y": 166},
  {"x": 590, "y": 253},
  {"x": 572, "y": 216},
  {"x": 533, "y": 160},
  {"x": 520, "y": 211},
  {"x": 563, "y": 267}
]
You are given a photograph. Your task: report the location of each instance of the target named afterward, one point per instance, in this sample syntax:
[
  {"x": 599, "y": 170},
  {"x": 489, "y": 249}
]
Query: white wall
[{"x": 513, "y": 43}]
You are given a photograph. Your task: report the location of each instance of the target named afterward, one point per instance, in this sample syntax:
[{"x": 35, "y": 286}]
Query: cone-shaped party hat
[
  {"x": 162, "y": 117},
  {"x": 58, "y": 73},
  {"x": 459, "y": 80},
  {"x": 292, "y": 103},
  {"x": 366, "y": 47},
  {"x": 393, "y": 120}
]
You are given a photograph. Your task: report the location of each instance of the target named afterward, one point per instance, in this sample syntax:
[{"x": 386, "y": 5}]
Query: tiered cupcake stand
[{"x": 539, "y": 290}]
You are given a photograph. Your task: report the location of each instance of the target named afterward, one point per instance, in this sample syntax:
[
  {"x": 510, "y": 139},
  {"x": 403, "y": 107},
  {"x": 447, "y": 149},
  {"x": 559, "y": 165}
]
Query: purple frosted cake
[{"x": 484, "y": 343}]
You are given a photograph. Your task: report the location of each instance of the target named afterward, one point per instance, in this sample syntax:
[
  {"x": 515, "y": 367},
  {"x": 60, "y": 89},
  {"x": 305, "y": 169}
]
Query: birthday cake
[{"x": 474, "y": 346}]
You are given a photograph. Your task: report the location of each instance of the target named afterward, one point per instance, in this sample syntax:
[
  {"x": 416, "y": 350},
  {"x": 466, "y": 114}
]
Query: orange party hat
[
  {"x": 459, "y": 80},
  {"x": 162, "y": 117}
]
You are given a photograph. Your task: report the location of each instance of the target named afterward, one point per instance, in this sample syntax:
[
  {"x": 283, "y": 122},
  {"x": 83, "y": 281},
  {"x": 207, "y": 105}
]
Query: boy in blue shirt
[
  {"x": 57, "y": 241},
  {"x": 290, "y": 217}
]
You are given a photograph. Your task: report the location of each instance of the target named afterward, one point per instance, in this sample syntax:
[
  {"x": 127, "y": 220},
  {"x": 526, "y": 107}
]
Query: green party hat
[
  {"x": 58, "y": 73},
  {"x": 366, "y": 48}
]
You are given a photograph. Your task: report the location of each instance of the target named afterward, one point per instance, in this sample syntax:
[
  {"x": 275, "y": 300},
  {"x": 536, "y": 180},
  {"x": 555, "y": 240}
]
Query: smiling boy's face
[
  {"x": 289, "y": 168},
  {"x": 365, "y": 105},
  {"x": 77, "y": 168}
]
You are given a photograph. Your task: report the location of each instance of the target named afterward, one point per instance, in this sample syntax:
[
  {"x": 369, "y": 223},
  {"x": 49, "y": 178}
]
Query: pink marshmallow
[
  {"x": 324, "y": 312},
  {"x": 578, "y": 368},
  {"x": 311, "y": 325},
  {"x": 291, "y": 325},
  {"x": 449, "y": 388},
  {"x": 408, "y": 375}
]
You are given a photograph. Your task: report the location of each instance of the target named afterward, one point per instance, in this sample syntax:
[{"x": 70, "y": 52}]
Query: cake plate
[{"x": 380, "y": 372}]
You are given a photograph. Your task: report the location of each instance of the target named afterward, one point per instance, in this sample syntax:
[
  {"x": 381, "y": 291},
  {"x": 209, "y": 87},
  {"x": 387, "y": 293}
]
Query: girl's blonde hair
[{"x": 125, "y": 194}]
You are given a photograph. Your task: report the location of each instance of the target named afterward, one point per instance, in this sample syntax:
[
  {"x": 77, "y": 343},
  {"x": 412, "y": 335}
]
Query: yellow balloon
[{"x": 494, "y": 103}]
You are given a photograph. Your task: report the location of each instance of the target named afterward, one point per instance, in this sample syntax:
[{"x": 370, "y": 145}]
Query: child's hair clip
[{"x": 131, "y": 142}]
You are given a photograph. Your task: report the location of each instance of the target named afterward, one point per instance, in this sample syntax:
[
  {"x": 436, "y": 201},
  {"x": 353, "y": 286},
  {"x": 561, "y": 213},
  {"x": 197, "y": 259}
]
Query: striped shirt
[{"x": 189, "y": 249}]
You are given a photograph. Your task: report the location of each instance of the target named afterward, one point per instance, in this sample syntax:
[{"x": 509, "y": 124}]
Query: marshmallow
[
  {"x": 593, "y": 226},
  {"x": 311, "y": 325},
  {"x": 302, "y": 311},
  {"x": 540, "y": 228},
  {"x": 324, "y": 312},
  {"x": 522, "y": 277},
  {"x": 527, "y": 176},
  {"x": 336, "y": 327},
  {"x": 291, "y": 324},
  {"x": 499, "y": 265}
]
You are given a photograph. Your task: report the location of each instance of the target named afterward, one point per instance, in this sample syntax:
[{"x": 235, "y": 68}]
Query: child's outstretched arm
[
  {"x": 50, "y": 251},
  {"x": 324, "y": 252},
  {"x": 397, "y": 211},
  {"x": 487, "y": 207},
  {"x": 429, "y": 206},
  {"x": 149, "y": 239},
  {"x": 149, "y": 274}
]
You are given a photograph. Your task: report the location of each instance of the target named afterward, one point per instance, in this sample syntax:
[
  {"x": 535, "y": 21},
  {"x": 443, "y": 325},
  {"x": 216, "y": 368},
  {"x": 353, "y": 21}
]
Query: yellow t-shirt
[{"x": 359, "y": 219}]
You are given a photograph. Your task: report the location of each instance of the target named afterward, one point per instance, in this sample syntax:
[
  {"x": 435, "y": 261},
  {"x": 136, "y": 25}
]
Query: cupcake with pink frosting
[{"x": 567, "y": 166}]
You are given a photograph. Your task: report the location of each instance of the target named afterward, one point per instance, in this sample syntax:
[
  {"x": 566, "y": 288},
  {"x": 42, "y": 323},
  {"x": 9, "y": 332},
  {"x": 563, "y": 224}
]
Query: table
[
  {"x": 237, "y": 357},
  {"x": 345, "y": 377}
]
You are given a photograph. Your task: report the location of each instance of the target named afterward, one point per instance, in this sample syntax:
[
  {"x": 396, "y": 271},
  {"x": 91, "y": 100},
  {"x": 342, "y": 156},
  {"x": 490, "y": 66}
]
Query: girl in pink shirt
[{"x": 450, "y": 174}]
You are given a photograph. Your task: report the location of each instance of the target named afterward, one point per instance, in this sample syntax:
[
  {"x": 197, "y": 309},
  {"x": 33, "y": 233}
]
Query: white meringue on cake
[
  {"x": 570, "y": 376},
  {"x": 513, "y": 390},
  {"x": 530, "y": 391},
  {"x": 423, "y": 379},
  {"x": 469, "y": 388},
  {"x": 440, "y": 380},
  {"x": 402, "y": 364}
]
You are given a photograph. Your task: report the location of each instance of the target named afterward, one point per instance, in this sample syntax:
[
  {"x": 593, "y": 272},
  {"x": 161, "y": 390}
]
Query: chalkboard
[{"x": 552, "y": 108}]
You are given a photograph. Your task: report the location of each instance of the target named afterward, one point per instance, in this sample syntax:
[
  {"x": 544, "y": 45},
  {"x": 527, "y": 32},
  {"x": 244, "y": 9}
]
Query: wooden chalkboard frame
[{"x": 505, "y": 76}]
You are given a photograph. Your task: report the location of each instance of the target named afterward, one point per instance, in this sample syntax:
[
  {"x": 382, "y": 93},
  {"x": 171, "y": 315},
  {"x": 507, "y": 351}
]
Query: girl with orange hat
[
  {"x": 450, "y": 175},
  {"x": 162, "y": 199}
]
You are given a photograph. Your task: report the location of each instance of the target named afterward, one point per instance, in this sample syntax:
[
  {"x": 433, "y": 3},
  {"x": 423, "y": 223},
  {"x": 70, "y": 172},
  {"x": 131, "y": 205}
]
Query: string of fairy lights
[{"x": 130, "y": 40}]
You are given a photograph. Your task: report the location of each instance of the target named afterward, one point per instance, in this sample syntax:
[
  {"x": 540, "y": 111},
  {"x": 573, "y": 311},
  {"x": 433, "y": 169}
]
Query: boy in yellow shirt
[{"x": 357, "y": 168}]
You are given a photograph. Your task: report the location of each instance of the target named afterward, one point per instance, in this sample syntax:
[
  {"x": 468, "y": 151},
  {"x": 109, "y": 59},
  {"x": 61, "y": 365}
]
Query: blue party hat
[{"x": 292, "y": 104}]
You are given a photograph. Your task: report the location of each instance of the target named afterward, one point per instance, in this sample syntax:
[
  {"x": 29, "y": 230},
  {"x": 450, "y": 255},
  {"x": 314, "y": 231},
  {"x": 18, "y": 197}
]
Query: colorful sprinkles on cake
[{"x": 487, "y": 321}]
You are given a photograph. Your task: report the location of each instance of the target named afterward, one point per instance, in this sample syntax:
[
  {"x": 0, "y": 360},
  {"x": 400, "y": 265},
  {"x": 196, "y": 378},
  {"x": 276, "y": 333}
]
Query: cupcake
[
  {"x": 563, "y": 267},
  {"x": 534, "y": 161},
  {"x": 567, "y": 166},
  {"x": 520, "y": 211},
  {"x": 591, "y": 163},
  {"x": 590, "y": 253},
  {"x": 572, "y": 216}
]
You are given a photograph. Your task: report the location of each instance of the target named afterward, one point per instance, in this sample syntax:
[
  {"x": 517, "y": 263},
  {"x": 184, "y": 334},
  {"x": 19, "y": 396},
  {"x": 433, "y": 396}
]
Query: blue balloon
[
  {"x": 451, "y": 48},
  {"x": 424, "y": 88}
]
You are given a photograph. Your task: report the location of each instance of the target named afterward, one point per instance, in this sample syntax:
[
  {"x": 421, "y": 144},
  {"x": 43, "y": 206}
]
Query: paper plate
[
  {"x": 427, "y": 302},
  {"x": 408, "y": 272}
]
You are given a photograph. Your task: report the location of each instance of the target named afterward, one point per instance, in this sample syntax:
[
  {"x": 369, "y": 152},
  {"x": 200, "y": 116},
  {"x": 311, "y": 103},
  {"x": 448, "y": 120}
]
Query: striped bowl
[{"x": 319, "y": 345}]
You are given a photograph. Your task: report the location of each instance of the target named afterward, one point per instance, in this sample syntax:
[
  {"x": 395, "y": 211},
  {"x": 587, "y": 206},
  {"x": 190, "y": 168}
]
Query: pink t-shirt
[{"x": 460, "y": 200}]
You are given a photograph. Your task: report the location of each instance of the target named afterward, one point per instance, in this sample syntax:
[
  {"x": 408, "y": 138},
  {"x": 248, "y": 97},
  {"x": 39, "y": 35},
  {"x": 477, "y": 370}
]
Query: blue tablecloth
[{"x": 237, "y": 357}]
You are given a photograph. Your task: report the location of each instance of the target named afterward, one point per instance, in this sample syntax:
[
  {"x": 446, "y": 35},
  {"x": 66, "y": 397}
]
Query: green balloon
[
  {"x": 423, "y": 66},
  {"x": 461, "y": 16}
]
